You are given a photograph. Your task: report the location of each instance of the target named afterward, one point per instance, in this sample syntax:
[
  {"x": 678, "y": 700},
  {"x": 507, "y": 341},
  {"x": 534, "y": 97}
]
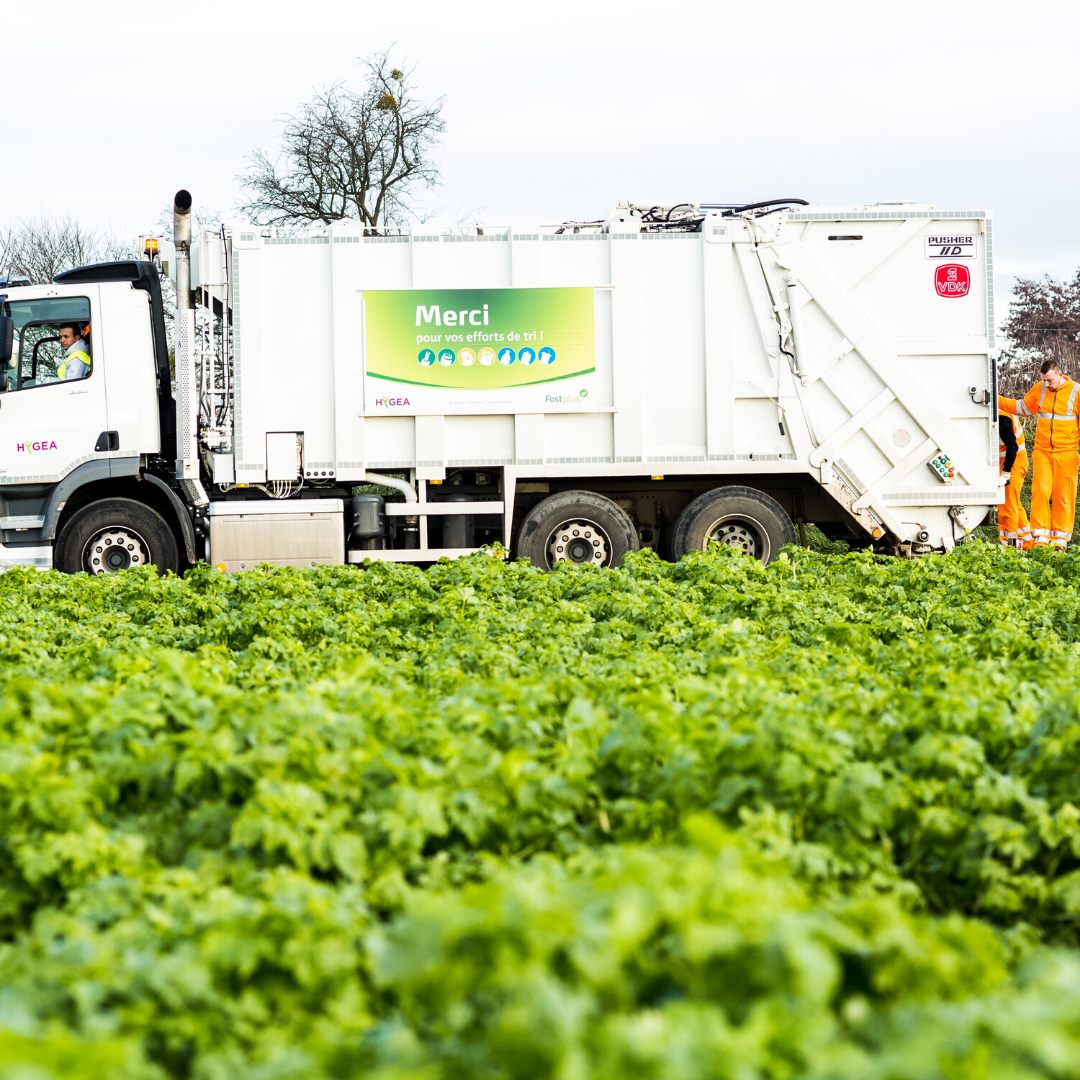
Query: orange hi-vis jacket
[{"x": 1058, "y": 412}]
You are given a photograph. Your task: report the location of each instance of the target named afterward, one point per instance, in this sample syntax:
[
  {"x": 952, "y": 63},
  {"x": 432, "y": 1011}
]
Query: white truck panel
[
  {"x": 122, "y": 336},
  {"x": 672, "y": 351}
]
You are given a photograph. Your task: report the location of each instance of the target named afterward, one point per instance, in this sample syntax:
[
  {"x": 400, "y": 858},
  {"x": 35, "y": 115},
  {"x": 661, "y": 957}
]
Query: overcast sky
[{"x": 557, "y": 110}]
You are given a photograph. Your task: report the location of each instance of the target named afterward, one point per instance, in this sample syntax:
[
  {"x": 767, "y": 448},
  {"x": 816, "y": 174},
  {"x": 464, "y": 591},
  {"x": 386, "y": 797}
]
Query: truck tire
[
  {"x": 578, "y": 527},
  {"x": 737, "y": 517},
  {"x": 115, "y": 534}
]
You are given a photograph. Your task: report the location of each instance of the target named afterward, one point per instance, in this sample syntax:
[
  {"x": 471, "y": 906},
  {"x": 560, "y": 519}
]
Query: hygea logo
[
  {"x": 952, "y": 279},
  {"x": 35, "y": 446},
  {"x": 391, "y": 402}
]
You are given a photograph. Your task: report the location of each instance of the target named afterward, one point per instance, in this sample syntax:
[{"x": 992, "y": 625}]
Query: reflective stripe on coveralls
[{"x": 1053, "y": 496}]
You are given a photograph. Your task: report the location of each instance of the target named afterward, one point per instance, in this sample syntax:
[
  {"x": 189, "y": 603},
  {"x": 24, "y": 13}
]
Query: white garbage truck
[{"x": 667, "y": 376}]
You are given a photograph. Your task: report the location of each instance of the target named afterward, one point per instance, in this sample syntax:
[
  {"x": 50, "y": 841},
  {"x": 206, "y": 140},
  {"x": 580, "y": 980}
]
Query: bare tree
[
  {"x": 41, "y": 249},
  {"x": 1043, "y": 324},
  {"x": 349, "y": 154}
]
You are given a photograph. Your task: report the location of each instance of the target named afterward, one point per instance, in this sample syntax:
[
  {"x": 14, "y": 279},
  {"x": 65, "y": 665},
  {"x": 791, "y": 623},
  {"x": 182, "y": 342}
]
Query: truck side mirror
[{"x": 7, "y": 339}]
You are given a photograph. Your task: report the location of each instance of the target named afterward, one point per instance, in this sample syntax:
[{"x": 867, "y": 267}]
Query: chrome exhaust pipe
[
  {"x": 187, "y": 399},
  {"x": 182, "y": 240}
]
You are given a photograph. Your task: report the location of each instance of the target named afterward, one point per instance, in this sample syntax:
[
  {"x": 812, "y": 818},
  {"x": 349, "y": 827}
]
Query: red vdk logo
[{"x": 952, "y": 279}]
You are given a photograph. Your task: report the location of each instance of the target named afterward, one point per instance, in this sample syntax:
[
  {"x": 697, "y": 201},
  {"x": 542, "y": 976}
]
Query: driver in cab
[{"x": 76, "y": 363}]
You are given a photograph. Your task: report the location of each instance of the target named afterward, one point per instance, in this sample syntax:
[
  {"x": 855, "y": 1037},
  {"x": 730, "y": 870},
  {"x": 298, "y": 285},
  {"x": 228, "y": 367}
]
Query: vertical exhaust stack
[
  {"x": 187, "y": 395},
  {"x": 182, "y": 240}
]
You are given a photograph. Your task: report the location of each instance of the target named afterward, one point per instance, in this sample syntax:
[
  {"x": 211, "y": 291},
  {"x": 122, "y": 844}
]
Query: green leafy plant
[{"x": 712, "y": 819}]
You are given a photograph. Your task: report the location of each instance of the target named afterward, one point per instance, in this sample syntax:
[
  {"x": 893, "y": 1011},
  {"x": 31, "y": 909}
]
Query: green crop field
[{"x": 811, "y": 821}]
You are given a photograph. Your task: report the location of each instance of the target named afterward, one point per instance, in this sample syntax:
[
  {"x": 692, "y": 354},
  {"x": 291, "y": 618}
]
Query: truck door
[{"x": 53, "y": 416}]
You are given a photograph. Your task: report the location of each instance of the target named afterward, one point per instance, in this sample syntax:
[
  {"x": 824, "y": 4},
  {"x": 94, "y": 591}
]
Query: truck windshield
[{"x": 51, "y": 341}]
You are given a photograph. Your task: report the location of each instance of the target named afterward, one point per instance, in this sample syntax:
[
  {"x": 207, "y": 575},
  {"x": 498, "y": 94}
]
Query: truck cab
[{"x": 82, "y": 477}]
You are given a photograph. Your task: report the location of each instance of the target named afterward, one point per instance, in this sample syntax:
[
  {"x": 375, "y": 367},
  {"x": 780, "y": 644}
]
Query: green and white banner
[{"x": 435, "y": 350}]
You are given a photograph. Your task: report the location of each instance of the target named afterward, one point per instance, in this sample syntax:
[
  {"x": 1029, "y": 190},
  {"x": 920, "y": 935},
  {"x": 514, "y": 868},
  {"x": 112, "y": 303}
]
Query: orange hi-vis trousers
[
  {"x": 1053, "y": 496},
  {"x": 1012, "y": 517}
]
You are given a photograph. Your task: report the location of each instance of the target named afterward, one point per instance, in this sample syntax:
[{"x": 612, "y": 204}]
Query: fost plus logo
[
  {"x": 391, "y": 402},
  {"x": 952, "y": 279},
  {"x": 35, "y": 446},
  {"x": 567, "y": 399}
]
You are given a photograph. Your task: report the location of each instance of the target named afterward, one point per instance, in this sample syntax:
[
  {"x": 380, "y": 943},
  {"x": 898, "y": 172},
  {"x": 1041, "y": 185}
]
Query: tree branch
[{"x": 348, "y": 154}]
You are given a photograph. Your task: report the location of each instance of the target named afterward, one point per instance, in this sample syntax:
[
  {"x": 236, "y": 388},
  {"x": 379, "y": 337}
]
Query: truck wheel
[
  {"x": 578, "y": 527},
  {"x": 115, "y": 534},
  {"x": 737, "y": 517}
]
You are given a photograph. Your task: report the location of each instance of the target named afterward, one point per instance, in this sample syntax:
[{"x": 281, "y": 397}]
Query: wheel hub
[
  {"x": 579, "y": 542},
  {"x": 115, "y": 549},
  {"x": 737, "y": 534}
]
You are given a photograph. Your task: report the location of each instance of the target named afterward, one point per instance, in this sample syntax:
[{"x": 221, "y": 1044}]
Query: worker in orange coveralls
[
  {"x": 1054, "y": 457},
  {"x": 1013, "y": 461}
]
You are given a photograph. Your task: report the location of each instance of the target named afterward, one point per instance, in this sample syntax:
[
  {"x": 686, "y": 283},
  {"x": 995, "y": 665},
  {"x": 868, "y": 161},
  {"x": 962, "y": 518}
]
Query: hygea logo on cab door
[
  {"x": 35, "y": 446},
  {"x": 952, "y": 279}
]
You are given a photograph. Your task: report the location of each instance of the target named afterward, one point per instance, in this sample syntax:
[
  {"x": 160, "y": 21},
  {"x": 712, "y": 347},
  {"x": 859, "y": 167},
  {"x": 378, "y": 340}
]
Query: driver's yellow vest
[{"x": 61, "y": 371}]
